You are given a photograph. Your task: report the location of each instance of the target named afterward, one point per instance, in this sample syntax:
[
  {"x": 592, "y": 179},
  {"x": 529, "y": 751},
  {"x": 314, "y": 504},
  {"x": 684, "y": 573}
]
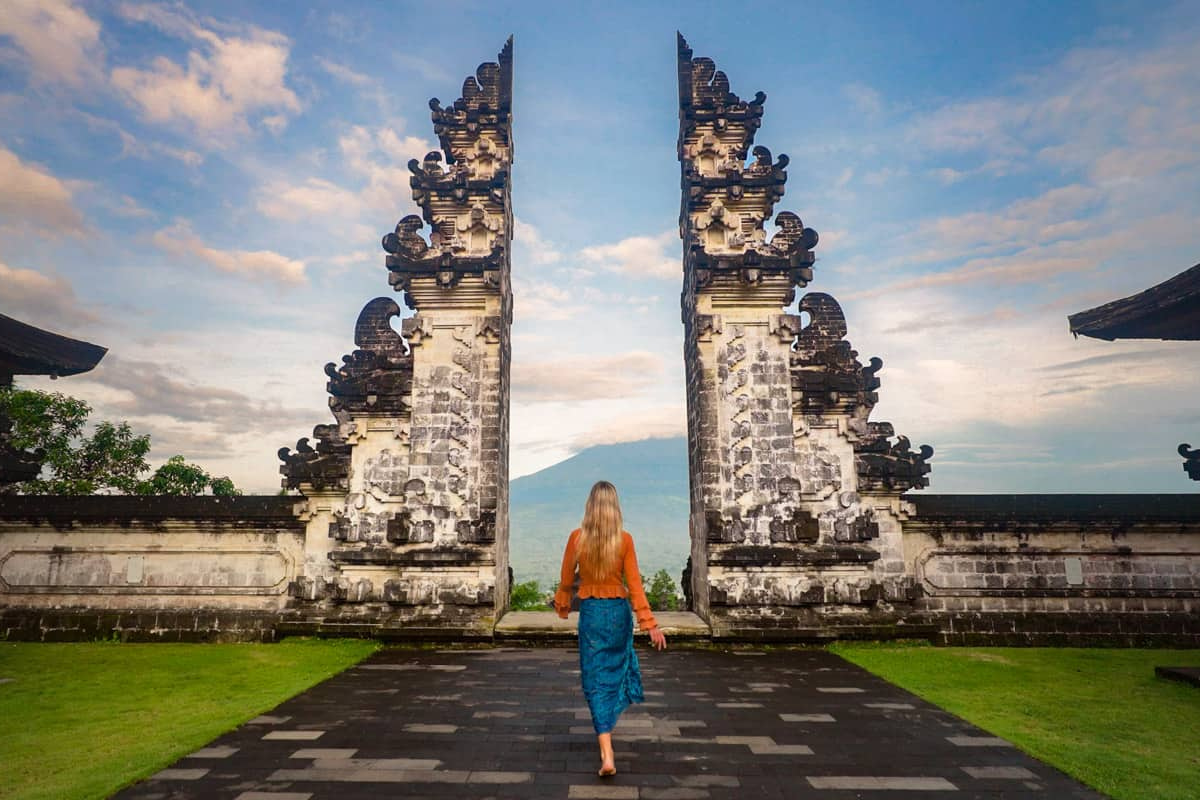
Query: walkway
[{"x": 506, "y": 722}]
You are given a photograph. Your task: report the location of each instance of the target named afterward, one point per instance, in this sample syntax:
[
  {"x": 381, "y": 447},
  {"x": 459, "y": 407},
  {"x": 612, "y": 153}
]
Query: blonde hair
[{"x": 600, "y": 537}]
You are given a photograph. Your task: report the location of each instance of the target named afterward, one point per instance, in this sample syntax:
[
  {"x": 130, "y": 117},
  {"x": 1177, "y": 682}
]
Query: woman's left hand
[{"x": 658, "y": 639}]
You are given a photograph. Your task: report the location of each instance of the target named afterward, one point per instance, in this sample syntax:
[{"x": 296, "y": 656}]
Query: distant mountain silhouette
[{"x": 651, "y": 477}]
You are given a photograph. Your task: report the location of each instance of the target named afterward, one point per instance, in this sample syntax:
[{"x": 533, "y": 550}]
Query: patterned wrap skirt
[{"x": 608, "y": 665}]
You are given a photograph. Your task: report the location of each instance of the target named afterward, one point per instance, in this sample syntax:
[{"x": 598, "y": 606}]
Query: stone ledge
[
  {"x": 825, "y": 634},
  {"x": 128, "y": 510},
  {"x": 992, "y": 508},
  {"x": 548, "y": 626},
  {"x": 169, "y": 625}
]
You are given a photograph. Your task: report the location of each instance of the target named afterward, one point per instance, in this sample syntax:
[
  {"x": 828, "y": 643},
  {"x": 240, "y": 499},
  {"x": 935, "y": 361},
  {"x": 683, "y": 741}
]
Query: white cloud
[
  {"x": 179, "y": 240},
  {"x": 344, "y": 73},
  {"x": 529, "y": 243},
  {"x": 543, "y": 301},
  {"x": 149, "y": 389},
  {"x": 314, "y": 198},
  {"x": 864, "y": 98},
  {"x": 585, "y": 378},
  {"x": 57, "y": 38},
  {"x": 377, "y": 158},
  {"x": 1120, "y": 111},
  {"x": 655, "y": 422},
  {"x": 641, "y": 256},
  {"x": 381, "y": 156},
  {"x": 1028, "y": 221},
  {"x": 40, "y": 299},
  {"x": 228, "y": 82},
  {"x": 957, "y": 364},
  {"x": 32, "y": 196}
]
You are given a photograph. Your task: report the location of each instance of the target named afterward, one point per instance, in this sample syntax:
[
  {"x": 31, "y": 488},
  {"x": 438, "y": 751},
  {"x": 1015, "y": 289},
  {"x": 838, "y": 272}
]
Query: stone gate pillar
[
  {"x": 795, "y": 497},
  {"x": 407, "y": 494}
]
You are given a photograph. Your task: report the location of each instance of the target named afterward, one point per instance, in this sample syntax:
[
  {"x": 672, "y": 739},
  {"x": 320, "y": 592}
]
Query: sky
[{"x": 202, "y": 188}]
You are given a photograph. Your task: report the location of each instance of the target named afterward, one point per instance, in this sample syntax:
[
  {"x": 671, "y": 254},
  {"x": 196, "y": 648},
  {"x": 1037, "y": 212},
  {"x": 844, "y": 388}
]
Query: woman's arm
[
  {"x": 562, "y": 597},
  {"x": 637, "y": 595}
]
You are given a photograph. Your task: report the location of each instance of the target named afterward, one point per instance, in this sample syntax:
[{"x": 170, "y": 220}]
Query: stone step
[{"x": 546, "y": 625}]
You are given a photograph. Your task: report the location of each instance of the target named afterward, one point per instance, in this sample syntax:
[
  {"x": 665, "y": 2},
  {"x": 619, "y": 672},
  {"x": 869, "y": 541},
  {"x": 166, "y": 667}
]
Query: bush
[
  {"x": 528, "y": 596},
  {"x": 662, "y": 594}
]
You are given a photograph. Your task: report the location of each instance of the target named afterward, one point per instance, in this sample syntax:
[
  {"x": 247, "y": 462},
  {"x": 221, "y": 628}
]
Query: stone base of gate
[
  {"x": 546, "y": 626},
  {"x": 467, "y": 623},
  {"x": 806, "y": 625}
]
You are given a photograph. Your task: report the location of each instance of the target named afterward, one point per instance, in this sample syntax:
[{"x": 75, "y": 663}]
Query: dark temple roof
[
  {"x": 1170, "y": 310},
  {"x": 26, "y": 350}
]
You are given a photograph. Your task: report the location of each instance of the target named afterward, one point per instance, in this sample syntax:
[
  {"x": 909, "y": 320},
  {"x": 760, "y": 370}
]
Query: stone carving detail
[
  {"x": 1191, "y": 461},
  {"x": 796, "y": 497},
  {"x": 726, "y": 204},
  {"x": 417, "y": 462},
  {"x": 465, "y": 203},
  {"x": 883, "y": 465},
  {"x": 377, "y": 378},
  {"x": 386, "y": 474},
  {"x": 327, "y": 466}
]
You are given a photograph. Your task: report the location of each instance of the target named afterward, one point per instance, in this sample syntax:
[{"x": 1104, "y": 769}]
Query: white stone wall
[{"x": 171, "y": 564}]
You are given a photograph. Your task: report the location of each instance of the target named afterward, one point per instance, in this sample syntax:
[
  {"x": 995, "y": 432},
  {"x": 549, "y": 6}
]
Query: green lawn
[
  {"x": 83, "y": 720},
  {"x": 1100, "y": 715}
]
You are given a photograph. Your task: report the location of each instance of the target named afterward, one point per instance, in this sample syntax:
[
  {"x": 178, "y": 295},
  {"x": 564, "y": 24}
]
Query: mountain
[{"x": 651, "y": 477}]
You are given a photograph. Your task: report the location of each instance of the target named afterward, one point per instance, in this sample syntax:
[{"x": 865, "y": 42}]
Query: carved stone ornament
[
  {"x": 376, "y": 378},
  {"x": 826, "y": 372},
  {"x": 726, "y": 202},
  {"x": 1191, "y": 461},
  {"x": 327, "y": 466},
  {"x": 465, "y": 202}
]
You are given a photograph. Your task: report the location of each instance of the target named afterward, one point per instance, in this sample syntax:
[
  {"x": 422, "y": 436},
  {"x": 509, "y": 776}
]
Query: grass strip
[
  {"x": 83, "y": 720},
  {"x": 1099, "y": 715}
]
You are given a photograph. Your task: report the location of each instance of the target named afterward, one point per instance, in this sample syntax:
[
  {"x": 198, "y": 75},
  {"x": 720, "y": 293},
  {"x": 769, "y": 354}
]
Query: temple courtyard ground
[{"x": 509, "y": 721}]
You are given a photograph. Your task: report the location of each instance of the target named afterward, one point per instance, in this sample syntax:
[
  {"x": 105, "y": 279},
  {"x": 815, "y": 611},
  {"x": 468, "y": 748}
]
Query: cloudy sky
[{"x": 202, "y": 188}]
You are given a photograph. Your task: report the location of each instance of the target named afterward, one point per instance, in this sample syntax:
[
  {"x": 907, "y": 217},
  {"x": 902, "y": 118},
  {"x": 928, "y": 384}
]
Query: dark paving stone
[{"x": 498, "y": 723}]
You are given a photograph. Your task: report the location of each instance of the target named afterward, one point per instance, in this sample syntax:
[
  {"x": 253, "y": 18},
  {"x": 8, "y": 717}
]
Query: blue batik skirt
[{"x": 608, "y": 665}]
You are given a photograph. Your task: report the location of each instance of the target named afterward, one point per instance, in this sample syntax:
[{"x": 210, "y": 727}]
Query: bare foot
[{"x": 607, "y": 769}]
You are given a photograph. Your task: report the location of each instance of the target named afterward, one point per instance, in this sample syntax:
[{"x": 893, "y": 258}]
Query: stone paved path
[{"x": 494, "y": 723}]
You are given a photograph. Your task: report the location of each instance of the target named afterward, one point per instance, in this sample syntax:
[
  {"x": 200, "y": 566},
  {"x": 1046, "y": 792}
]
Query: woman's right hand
[{"x": 658, "y": 639}]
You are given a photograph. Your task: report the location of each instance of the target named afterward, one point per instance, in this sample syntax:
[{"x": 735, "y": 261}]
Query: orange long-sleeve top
[{"x": 611, "y": 586}]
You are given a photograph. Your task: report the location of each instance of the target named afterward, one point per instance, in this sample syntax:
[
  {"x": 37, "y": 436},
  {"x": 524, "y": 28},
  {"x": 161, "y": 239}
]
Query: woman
[{"x": 608, "y": 665}]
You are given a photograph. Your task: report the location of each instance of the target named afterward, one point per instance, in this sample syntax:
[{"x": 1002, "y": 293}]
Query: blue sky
[{"x": 202, "y": 188}]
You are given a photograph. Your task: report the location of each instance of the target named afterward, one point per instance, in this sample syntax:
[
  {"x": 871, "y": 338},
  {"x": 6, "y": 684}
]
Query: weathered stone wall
[
  {"x": 1057, "y": 569},
  {"x": 146, "y": 568}
]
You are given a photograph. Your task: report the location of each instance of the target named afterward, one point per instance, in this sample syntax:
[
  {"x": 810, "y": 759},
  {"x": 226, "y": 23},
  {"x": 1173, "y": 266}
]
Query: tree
[
  {"x": 527, "y": 596},
  {"x": 111, "y": 460},
  {"x": 177, "y": 477},
  {"x": 661, "y": 594}
]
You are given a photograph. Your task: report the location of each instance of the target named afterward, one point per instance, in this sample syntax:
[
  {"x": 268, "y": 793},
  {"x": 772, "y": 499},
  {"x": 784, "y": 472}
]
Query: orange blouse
[{"x": 611, "y": 586}]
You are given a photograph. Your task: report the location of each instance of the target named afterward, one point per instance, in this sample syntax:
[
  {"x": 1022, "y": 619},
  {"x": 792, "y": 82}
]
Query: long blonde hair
[{"x": 600, "y": 540}]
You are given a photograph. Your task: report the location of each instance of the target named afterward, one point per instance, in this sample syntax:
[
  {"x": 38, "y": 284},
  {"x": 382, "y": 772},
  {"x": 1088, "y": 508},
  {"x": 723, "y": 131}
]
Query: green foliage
[
  {"x": 1100, "y": 715},
  {"x": 528, "y": 596},
  {"x": 83, "y": 720},
  {"x": 110, "y": 460},
  {"x": 661, "y": 593},
  {"x": 177, "y": 477}
]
